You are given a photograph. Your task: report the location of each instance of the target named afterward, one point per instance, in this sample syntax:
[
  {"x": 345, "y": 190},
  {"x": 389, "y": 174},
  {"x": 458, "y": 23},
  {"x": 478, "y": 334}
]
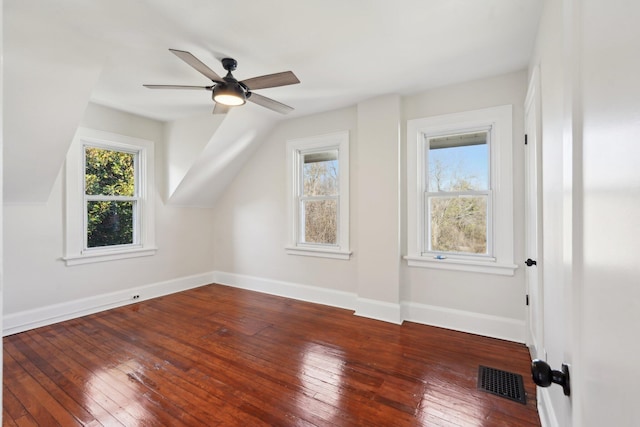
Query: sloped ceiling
[{"x": 61, "y": 54}]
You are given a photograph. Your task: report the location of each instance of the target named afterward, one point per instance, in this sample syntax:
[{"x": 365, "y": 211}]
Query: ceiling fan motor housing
[{"x": 229, "y": 64}]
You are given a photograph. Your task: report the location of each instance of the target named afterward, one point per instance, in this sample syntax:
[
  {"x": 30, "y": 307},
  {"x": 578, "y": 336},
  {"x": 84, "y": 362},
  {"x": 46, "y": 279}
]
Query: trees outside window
[
  {"x": 458, "y": 193},
  {"x": 319, "y": 197},
  {"x": 111, "y": 197}
]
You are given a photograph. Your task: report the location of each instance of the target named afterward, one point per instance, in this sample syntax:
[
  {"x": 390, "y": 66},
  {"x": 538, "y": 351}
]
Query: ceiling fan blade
[
  {"x": 197, "y": 64},
  {"x": 221, "y": 109},
  {"x": 178, "y": 87},
  {"x": 269, "y": 103},
  {"x": 271, "y": 80}
]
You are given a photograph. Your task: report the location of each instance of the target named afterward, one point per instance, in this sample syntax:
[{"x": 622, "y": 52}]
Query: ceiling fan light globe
[{"x": 231, "y": 95}]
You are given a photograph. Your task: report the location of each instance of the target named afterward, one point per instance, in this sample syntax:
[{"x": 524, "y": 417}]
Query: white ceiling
[
  {"x": 59, "y": 55},
  {"x": 343, "y": 51}
]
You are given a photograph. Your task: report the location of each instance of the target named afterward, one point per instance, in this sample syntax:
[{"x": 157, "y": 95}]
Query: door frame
[{"x": 533, "y": 241}]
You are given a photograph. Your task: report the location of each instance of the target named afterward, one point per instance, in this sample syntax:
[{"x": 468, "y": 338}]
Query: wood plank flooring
[{"x": 219, "y": 356}]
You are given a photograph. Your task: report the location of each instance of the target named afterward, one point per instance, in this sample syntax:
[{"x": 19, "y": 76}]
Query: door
[{"x": 533, "y": 223}]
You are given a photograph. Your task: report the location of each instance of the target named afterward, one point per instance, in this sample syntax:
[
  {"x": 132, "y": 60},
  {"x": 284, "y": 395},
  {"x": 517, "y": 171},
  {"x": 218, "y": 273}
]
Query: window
[
  {"x": 457, "y": 211},
  {"x": 460, "y": 201},
  {"x": 319, "y": 199},
  {"x": 109, "y": 181},
  {"x": 111, "y": 197}
]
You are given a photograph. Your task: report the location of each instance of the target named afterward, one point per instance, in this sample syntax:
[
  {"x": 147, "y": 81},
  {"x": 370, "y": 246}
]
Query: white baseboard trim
[
  {"x": 465, "y": 321},
  {"x": 481, "y": 324},
  {"x": 545, "y": 409},
  {"x": 379, "y": 310},
  {"x": 30, "y": 319},
  {"x": 459, "y": 320},
  {"x": 330, "y": 297}
]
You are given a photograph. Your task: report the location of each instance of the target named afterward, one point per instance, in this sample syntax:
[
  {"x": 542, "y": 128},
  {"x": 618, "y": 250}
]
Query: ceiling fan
[{"x": 227, "y": 92}]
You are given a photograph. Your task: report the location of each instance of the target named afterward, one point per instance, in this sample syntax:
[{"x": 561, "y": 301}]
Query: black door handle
[
  {"x": 530, "y": 262},
  {"x": 544, "y": 376}
]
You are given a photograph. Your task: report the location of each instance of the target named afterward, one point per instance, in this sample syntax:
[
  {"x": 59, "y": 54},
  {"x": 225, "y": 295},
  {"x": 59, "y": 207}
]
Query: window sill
[
  {"x": 489, "y": 267},
  {"x": 108, "y": 255},
  {"x": 318, "y": 252}
]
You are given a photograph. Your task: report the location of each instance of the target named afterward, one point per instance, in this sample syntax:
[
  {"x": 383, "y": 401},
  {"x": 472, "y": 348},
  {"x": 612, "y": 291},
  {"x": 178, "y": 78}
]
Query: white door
[{"x": 533, "y": 224}]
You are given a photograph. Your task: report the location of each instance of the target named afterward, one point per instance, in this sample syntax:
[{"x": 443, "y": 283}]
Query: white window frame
[
  {"x": 295, "y": 151},
  {"x": 76, "y": 251},
  {"x": 498, "y": 121}
]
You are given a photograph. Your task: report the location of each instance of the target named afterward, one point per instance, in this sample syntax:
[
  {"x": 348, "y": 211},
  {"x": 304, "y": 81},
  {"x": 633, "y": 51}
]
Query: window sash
[
  {"x": 302, "y": 198},
  {"x": 425, "y": 148},
  {"x": 302, "y": 220},
  {"x": 135, "y": 199},
  {"x": 427, "y": 223}
]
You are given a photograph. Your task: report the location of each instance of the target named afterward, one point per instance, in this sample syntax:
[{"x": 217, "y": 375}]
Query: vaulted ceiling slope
[{"x": 59, "y": 55}]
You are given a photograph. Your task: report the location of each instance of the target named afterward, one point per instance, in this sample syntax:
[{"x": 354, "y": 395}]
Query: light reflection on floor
[
  {"x": 128, "y": 404},
  {"x": 322, "y": 372}
]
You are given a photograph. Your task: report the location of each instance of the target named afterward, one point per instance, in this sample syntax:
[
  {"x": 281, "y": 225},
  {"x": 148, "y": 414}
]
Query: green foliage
[
  {"x": 109, "y": 173},
  {"x": 109, "y": 223}
]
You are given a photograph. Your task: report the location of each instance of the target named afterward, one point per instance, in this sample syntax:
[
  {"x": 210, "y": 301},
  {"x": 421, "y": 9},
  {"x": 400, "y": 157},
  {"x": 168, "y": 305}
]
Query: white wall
[
  {"x": 250, "y": 224},
  {"x": 47, "y": 85},
  {"x": 488, "y": 294},
  {"x": 377, "y": 217},
  {"x": 37, "y": 282}
]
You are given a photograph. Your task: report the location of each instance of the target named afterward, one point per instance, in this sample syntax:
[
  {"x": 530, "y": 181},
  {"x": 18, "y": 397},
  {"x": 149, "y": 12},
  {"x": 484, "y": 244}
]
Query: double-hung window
[
  {"x": 318, "y": 196},
  {"x": 458, "y": 194},
  {"x": 109, "y": 198},
  {"x": 460, "y": 191}
]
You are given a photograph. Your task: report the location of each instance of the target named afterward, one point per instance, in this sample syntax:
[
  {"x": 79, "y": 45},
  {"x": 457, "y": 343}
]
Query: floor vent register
[{"x": 501, "y": 383}]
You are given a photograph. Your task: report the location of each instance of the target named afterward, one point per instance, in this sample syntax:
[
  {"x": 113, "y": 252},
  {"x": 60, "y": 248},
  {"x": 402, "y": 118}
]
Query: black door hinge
[
  {"x": 527, "y": 299},
  {"x": 525, "y": 139}
]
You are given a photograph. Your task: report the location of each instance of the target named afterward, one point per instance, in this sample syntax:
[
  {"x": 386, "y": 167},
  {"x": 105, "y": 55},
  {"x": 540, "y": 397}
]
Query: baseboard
[
  {"x": 379, "y": 310},
  {"x": 465, "y": 321},
  {"x": 373, "y": 309},
  {"x": 330, "y": 297},
  {"x": 481, "y": 324},
  {"x": 30, "y": 319},
  {"x": 545, "y": 409}
]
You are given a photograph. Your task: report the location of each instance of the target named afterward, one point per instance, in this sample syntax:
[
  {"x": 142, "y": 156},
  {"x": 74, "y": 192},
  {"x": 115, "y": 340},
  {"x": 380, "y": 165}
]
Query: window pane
[
  {"x": 458, "y": 224},
  {"x": 109, "y": 223},
  {"x": 320, "y": 221},
  {"x": 108, "y": 172},
  {"x": 459, "y": 162},
  {"x": 320, "y": 173}
]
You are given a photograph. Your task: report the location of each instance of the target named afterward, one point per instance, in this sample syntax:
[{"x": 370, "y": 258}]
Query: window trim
[
  {"x": 500, "y": 229},
  {"x": 296, "y": 148},
  {"x": 75, "y": 245}
]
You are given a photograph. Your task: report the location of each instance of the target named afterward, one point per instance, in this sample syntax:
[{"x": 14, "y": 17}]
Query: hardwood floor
[{"x": 219, "y": 356}]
